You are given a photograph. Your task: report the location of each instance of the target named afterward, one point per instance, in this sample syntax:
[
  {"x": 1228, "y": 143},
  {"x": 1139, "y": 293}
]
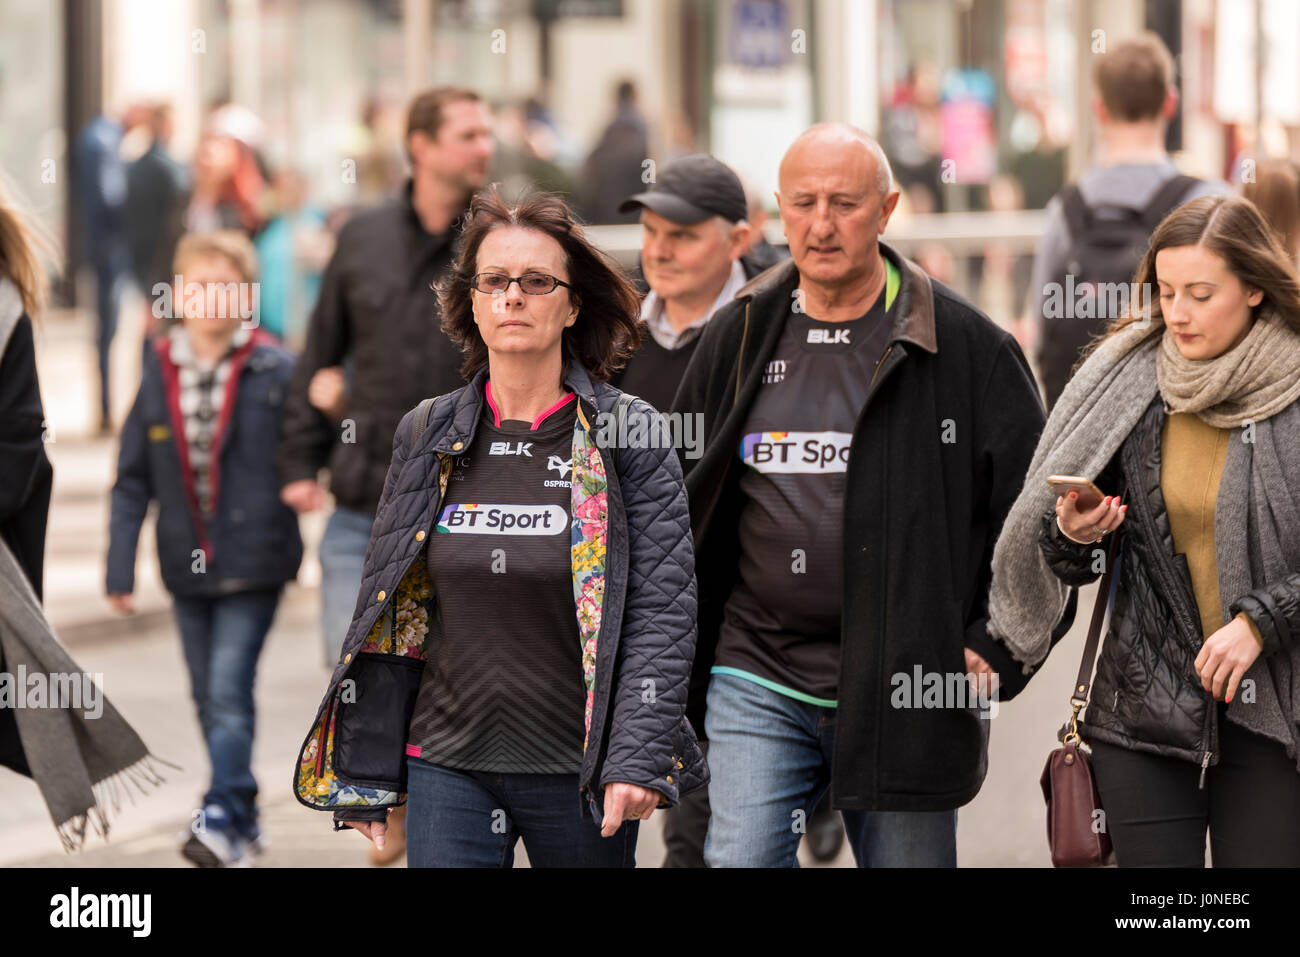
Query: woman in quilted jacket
[
  {"x": 518, "y": 659},
  {"x": 1188, "y": 412}
]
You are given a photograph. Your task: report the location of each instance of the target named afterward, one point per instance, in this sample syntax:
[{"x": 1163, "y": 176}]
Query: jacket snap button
[
  {"x": 679, "y": 764},
  {"x": 419, "y": 536},
  {"x": 457, "y": 446},
  {"x": 382, "y": 595},
  {"x": 347, "y": 657},
  {"x": 669, "y": 779}
]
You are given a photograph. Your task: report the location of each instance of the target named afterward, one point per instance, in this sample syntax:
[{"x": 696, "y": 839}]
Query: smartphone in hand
[{"x": 1089, "y": 495}]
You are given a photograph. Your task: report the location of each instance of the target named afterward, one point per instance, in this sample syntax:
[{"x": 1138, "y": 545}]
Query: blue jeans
[
  {"x": 474, "y": 818},
  {"x": 342, "y": 560},
  {"x": 222, "y": 638},
  {"x": 770, "y": 762}
]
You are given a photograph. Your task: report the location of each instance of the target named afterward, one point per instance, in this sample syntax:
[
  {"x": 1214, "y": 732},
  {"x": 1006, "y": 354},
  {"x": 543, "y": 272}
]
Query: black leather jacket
[{"x": 1146, "y": 694}]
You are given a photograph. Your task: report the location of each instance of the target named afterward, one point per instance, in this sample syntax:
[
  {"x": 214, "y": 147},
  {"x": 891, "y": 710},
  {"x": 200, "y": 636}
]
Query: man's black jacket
[
  {"x": 377, "y": 310},
  {"x": 938, "y": 455}
]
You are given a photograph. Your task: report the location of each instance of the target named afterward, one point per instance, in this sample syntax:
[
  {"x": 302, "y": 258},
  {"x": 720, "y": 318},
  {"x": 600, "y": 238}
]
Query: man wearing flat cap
[{"x": 695, "y": 228}]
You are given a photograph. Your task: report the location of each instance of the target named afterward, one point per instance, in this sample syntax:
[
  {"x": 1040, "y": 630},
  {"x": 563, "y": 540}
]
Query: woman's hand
[
  {"x": 373, "y": 830},
  {"x": 1225, "y": 657},
  {"x": 626, "y": 802},
  {"x": 1087, "y": 528}
]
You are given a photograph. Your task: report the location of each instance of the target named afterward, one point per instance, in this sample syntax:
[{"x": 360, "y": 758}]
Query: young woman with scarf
[{"x": 1187, "y": 411}]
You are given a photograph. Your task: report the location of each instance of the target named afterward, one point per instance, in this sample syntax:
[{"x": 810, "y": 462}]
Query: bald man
[{"x": 866, "y": 431}]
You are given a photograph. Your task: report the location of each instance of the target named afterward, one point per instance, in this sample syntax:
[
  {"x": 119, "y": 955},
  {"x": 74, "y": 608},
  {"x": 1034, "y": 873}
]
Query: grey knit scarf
[
  {"x": 1257, "y": 517},
  {"x": 81, "y": 751},
  {"x": 82, "y": 756}
]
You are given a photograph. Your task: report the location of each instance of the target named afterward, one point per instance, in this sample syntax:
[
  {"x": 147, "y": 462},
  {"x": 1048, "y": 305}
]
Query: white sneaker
[{"x": 212, "y": 846}]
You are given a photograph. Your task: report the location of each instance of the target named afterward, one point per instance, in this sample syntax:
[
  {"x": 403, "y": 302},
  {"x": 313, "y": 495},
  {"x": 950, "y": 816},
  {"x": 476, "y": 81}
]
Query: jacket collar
[
  {"x": 470, "y": 399},
  {"x": 914, "y": 307}
]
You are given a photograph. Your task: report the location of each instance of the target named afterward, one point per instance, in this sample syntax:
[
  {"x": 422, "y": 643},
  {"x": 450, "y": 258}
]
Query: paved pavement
[{"x": 145, "y": 678}]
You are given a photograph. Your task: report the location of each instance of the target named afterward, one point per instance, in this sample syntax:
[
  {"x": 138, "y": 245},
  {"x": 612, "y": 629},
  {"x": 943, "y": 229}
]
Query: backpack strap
[
  {"x": 419, "y": 423},
  {"x": 1166, "y": 199},
  {"x": 1078, "y": 215}
]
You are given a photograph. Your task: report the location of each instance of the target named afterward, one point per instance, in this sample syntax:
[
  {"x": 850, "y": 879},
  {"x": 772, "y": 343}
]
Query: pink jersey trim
[
  {"x": 496, "y": 413},
  {"x": 552, "y": 410}
]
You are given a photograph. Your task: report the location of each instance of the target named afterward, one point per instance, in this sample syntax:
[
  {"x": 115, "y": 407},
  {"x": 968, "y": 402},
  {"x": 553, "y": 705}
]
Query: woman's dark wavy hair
[{"x": 606, "y": 333}]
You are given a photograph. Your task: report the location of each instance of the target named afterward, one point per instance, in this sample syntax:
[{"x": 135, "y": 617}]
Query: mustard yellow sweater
[{"x": 1192, "y": 455}]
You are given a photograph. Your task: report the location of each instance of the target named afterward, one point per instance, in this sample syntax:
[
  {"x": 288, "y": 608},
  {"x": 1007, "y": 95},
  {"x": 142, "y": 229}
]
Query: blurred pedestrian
[
  {"x": 67, "y": 746},
  {"x": 230, "y": 183},
  {"x": 28, "y": 476},
  {"x": 200, "y": 441},
  {"x": 1274, "y": 188},
  {"x": 1097, "y": 229},
  {"x": 1187, "y": 413},
  {"x": 616, "y": 167},
  {"x": 157, "y": 190},
  {"x": 824, "y": 499},
  {"x": 374, "y": 347},
  {"x": 508, "y": 701},
  {"x": 100, "y": 191},
  {"x": 293, "y": 250},
  {"x": 759, "y": 250}
]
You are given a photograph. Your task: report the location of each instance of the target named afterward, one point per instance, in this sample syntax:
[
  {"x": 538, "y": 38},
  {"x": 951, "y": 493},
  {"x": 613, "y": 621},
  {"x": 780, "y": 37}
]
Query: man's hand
[
  {"x": 327, "y": 390},
  {"x": 122, "y": 603},
  {"x": 976, "y": 665},
  {"x": 626, "y": 802},
  {"x": 1225, "y": 658},
  {"x": 304, "y": 495}
]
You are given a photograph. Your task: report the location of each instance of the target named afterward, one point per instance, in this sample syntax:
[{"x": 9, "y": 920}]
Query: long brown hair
[
  {"x": 1230, "y": 227},
  {"x": 607, "y": 330},
  {"x": 22, "y": 242}
]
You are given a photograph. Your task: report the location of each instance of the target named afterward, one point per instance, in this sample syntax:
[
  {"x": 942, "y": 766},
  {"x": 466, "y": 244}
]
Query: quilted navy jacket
[{"x": 635, "y": 599}]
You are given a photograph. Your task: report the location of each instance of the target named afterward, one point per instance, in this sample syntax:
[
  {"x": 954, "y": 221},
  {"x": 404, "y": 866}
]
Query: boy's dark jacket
[
  {"x": 938, "y": 455},
  {"x": 252, "y": 541}
]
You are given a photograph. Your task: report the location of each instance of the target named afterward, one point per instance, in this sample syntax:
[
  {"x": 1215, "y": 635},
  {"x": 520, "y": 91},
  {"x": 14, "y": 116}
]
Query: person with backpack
[
  {"x": 1098, "y": 228},
  {"x": 518, "y": 661}
]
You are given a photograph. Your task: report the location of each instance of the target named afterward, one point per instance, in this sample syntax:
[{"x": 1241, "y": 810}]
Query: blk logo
[
  {"x": 825, "y": 337},
  {"x": 511, "y": 448}
]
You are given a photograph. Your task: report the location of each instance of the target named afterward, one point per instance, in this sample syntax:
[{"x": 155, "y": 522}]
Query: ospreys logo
[{"x": 563, "y": 466}]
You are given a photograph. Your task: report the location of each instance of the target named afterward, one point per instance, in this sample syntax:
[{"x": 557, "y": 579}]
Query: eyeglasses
[{"x": 531, "y": 283}]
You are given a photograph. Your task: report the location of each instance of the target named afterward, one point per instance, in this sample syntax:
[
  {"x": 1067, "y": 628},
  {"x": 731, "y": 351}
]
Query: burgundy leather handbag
[{"x": 1076, "y": 825}]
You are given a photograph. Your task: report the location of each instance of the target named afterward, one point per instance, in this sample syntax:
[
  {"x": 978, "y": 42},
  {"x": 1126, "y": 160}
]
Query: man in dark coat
[
  {"x": 866, "y": 431},
  {"x": 377, "y": 318}
]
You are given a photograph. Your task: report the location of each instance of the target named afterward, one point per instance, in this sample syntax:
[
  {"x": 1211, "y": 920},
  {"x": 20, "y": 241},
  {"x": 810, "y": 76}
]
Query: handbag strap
[{"x": 1083, "y": 683}]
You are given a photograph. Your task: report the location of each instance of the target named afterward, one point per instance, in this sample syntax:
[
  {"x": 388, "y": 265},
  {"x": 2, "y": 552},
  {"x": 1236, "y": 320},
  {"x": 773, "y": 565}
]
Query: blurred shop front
[{"x": 983, "y": 105}]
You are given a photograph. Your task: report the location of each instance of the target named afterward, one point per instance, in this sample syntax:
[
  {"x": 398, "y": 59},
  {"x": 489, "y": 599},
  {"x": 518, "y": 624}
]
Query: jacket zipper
[{"x": 740, "y": 359}]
